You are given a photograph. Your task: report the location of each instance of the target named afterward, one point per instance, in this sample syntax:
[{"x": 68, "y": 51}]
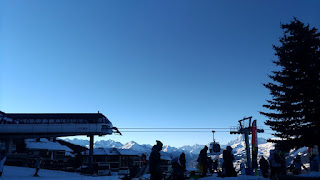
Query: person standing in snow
[
  {"x": 228, "y": 159},
  {"x": 144, "y": 159},
  {"x": 314, "y": 164},
  {"x": 275, "y": 163},
  {"x": 155, "y": 162},
  {"x": 182, "y": 160},
  {"x": 210, "y": 164},
  {"x": 37, "y": 166},
  {"x": 3, "y": 159},
  {"x": 215, "y": 165},
  {"x": 242, "y": 168},
  {"x": 264, "y": 167},
  {"x": 177, "y": 169},
  {"x": 203, "y": 161}
]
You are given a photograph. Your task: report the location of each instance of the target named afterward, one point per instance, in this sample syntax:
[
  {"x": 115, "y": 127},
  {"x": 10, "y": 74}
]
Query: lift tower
[{"x": 245, "y": 127}]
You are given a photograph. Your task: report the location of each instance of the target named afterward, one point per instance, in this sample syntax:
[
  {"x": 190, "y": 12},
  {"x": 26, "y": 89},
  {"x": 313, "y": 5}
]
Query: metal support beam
[
  {"x": 246, "y": 130},
  {"x": 246, "y": 138},
  {"x": 91, "y": 155}
]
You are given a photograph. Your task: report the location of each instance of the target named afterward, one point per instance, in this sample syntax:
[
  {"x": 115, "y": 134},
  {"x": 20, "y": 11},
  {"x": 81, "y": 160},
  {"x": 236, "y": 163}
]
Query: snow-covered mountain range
[
  {"x": 238, "y": 146},
  {"x": 191, "y": 152},
  {"x": 194, "y": 149}
]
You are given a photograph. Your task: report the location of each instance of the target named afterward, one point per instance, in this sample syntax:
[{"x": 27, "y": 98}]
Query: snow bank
[
  {"x": 240, "y": 177},
  {"x": 311, "y": 174},
  {"x": 23, "y": 173}
]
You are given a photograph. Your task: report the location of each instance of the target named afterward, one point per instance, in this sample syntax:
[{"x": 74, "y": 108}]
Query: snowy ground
[
  {"x": 22, "y": 173},
  {"x": 234, "y": 178}
]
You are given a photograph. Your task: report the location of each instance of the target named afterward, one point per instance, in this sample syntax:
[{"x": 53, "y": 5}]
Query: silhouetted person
[
  {"x": 3, "y": 159},
  {"x": 210, "y": 164},
  {"x": 182, "y": 160},
  {"x": 177, "y": 169},
  {"x": 37, "y": 166},
  {"x": 215, "y": 165},
  {"x": 314, "y": 163},
  {"x": 155, "y": 162},
  {"x": 283, "y": 169},
  {"x": 275, "y": 163},
  {"x": 203, "y": 161},
  {"x": 228, "y": 162},
  {"x": 264, "y": 167},
  {"x": 144, "y": 159},
  {"x": 78, "y": 160}
]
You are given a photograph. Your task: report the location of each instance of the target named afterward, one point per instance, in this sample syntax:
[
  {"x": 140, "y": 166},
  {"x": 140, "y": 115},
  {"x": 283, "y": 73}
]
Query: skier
[
  {"x": 3, "y": 159},
  {"x": 203, "y": 162},
  {"x": 155, "y": 162},
  {"x": 37, "y": 166},
  {"x": 264, "y": 167},
  {"x": 182, "y": 160},
  {"x": 228, "y": 162}
]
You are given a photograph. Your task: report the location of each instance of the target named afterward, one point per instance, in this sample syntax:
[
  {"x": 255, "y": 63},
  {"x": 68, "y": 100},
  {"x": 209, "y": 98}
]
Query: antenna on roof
[{"x": 98, "y": 112}]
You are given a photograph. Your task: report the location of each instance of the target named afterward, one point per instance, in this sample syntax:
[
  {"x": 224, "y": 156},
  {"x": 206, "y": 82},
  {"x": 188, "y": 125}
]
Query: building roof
[
  {"x": 129, "y": 152},
  {"x": 46, "y": 144},
  {"x": 103, "y": 151},
  {"x": 54, "y": 115}
]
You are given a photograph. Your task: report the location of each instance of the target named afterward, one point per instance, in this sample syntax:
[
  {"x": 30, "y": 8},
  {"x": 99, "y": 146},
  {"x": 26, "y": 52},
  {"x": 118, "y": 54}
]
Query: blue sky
[{"x": 144, "y": 63}]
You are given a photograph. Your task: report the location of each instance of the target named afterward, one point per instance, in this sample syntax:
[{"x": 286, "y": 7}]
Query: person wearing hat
[{"x": 155, "y": 162}]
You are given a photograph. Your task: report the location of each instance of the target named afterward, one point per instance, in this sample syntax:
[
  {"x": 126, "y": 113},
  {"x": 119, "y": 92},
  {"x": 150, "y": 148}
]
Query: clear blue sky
[{"x": 144, "y": 63}]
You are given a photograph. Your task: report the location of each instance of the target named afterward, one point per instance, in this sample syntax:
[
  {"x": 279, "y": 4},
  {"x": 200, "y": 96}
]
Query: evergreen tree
[{"x": 294, "y": 111}]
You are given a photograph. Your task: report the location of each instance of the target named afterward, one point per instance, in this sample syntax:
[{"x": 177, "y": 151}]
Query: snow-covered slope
[
  {"x": 23, "y": 173},
  {"x": 239, "y": 146}
]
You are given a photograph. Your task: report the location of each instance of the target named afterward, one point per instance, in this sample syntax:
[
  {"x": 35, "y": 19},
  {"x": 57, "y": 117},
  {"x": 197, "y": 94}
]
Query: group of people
[
  {"x": 205, "y": 163},
  {"x": 178, "y": 164},
  {"x": 278, "y": 165}
]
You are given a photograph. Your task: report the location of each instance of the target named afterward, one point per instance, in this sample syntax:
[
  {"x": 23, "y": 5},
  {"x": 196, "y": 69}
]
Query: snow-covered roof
[
  {"x": 103, "y": 151},
  {"x": 46, "y": 144},
  {"x": 129, "y": 152}
]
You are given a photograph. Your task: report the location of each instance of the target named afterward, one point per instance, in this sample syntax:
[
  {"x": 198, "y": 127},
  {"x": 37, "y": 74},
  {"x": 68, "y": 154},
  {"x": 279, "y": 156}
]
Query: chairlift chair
[{"x": 214, "y": 147}]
